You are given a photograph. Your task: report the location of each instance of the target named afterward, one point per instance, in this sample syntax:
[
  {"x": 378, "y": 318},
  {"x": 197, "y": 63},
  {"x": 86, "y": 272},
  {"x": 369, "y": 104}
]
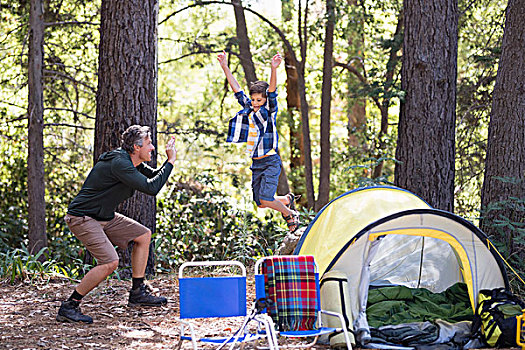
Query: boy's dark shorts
[{"x": 265, "y": 177}]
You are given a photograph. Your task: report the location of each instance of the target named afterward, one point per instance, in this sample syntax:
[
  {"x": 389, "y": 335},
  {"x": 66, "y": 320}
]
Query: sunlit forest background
[{"x": 205, "y": 211}]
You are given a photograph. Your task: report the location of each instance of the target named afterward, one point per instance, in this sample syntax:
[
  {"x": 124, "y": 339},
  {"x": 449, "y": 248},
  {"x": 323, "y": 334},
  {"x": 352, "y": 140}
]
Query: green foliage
[
  {"x": 480, "y": 33},
  {"x": 508, "y": 234},
  {"x": 204, "y": 224},
  {"x": 13, "y": 188},
  {"x": 20, "y": 265}
]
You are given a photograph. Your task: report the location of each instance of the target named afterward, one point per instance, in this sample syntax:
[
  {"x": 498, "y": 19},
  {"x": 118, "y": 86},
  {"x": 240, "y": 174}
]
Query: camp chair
[
  {"x": 290, "y": 285},
  {"x": 205, "y": 297}
]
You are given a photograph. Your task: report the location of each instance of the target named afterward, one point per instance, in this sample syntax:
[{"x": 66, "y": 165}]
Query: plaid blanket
[{"x": 290, "y": 283}]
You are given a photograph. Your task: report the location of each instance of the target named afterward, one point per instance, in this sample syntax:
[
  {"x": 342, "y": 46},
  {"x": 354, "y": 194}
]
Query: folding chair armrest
[
  {"x": 332, "y": 313},
  {"x": 212, "y": 263},
  {"x": 343, "y": 326}
]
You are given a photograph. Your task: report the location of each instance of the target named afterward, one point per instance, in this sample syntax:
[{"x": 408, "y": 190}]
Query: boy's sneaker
[
  {"x": 70, "y": 312},
  {"x": 141, "y": 297}
]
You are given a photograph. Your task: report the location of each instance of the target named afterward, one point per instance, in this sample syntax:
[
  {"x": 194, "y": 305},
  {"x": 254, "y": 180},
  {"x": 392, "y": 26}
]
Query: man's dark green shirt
[{"x": 113, "y": 180}]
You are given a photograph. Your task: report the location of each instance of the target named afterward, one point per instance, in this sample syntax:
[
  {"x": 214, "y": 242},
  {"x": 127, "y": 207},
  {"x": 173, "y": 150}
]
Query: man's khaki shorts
[{"x": 100, "y": 237}]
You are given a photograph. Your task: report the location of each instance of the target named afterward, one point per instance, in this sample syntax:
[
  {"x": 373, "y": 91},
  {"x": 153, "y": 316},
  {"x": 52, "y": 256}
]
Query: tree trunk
[
  {"x": 35, "y": 159},
  {"x": 326, "y": 98},
  {"x": 426, "y": 142},
  {"x": 244, "y": 43},
  {"x": 282, "y": 186},
  {"x": 504, "y": 182},
  {"x": 293, "y": 105},
  {"x": 305, "y": 119},
  {"x": 356, "y": 108},
  {"x": 307, "y": 151},
  {"x": 127, "y": 89}
]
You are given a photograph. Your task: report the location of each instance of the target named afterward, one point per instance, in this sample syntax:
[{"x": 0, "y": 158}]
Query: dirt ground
[{"x": 28, "y": 311}]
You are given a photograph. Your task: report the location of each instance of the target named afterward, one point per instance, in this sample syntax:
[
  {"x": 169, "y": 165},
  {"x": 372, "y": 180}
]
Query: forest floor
[{"x": 28, "y": 311}]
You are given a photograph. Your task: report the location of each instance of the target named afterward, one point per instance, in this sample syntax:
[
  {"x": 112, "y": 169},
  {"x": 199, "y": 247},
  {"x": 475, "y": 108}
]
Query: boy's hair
[
  {"x": 134, "y": 136},
  {"x": 259, "y": 87}
]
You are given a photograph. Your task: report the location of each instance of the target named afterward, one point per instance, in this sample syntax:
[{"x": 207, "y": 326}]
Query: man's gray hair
[{"x": 134, "y": 136}]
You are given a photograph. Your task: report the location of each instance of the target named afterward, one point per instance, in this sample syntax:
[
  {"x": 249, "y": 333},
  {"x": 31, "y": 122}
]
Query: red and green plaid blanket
[{"x": 290, "y": 283}]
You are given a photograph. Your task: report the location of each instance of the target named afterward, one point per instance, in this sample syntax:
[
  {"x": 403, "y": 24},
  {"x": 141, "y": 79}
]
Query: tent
[{"x": 387, "y": 236}]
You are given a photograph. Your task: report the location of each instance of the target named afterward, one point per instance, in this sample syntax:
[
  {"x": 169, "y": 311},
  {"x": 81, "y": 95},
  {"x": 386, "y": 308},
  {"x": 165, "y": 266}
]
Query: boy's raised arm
[
  {"x": 276, "y": 61},
  {"x": 229, "y": 76}
]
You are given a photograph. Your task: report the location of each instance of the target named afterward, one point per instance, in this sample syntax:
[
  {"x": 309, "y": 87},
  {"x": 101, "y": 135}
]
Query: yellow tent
[{"x": 384, "y": 236}]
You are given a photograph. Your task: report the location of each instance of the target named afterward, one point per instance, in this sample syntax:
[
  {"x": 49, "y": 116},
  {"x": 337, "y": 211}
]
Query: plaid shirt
[{"x": 264, "y": 120}]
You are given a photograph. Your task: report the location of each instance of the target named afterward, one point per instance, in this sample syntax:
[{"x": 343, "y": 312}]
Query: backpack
[{"x": 495, "y": 317}]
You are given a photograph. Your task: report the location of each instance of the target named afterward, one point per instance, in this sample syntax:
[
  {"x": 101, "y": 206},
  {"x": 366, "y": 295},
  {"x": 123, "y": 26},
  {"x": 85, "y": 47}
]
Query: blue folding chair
[
  {"x": 290, "y": 286},
  {"x": 205, "y": 297}
]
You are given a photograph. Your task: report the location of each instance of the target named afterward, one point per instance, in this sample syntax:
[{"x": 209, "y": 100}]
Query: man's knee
[
  {"x": 144, "y": 239},
  {"x": 110, "y": 267}
]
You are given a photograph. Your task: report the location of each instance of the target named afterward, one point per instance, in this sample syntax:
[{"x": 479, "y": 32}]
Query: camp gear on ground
[
  {"x": 399, "y": 304},
  {"x": 520, "y": 330},
  {"x": 495, "y": 318},
  {"x": 387, "y": 236}
]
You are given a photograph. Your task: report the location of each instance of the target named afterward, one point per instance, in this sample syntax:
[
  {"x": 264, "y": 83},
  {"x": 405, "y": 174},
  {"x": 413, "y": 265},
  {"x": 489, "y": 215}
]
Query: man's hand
[
  {"x": 171, "y": 152},
  {"x": 276, "y": 60},
  {"x": 222, "y": 59}
]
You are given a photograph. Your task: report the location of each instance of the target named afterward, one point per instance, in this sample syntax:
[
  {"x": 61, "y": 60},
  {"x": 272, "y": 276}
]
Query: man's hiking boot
[
  {"x": 141, "y": 297},
  {"x": 70, "y": 312}
]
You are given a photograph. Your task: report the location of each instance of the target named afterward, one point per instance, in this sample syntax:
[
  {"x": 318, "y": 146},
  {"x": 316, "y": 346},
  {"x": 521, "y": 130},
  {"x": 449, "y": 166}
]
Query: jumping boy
[{"x": 255, "y": 124}]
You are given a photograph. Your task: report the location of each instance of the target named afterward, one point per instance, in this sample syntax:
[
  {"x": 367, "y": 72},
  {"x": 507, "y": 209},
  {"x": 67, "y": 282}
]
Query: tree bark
[
  {"x": 305, "y": 118},
  {"x": 127, "y": 89},
  {"x": 356, "y": 108},
  {"x": 505, "y": 158},
  {"x": 307, "y": 151},
  {"x": 35, "y": 159},
  {"x": 245, "y": 55},
  {"x": 426, "y": 142},
  {"x": 326, "y": 98},
  {"x": 293, "y": 105}
]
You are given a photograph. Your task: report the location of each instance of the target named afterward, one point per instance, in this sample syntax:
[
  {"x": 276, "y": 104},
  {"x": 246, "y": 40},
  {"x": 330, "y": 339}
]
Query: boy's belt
[{"x": 271, "y": 153}]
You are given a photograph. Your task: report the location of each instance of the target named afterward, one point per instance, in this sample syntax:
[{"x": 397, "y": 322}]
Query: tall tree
[
  {"x": 356, "y": 108},
  {"x": 425, "y": 148},
  {"x": 127, "y": 88},
  {"x": 504, "y": 182},
  {"x": 35, "y": 111},
  {"x": 293, "y": 106},
  {"x": 245, "y": 54},
  {"x": 326, "y": 98}
]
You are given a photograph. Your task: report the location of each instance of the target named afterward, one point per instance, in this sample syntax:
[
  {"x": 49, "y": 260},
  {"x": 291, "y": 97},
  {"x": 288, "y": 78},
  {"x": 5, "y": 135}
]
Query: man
[{"x": 92, "y": 219}]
